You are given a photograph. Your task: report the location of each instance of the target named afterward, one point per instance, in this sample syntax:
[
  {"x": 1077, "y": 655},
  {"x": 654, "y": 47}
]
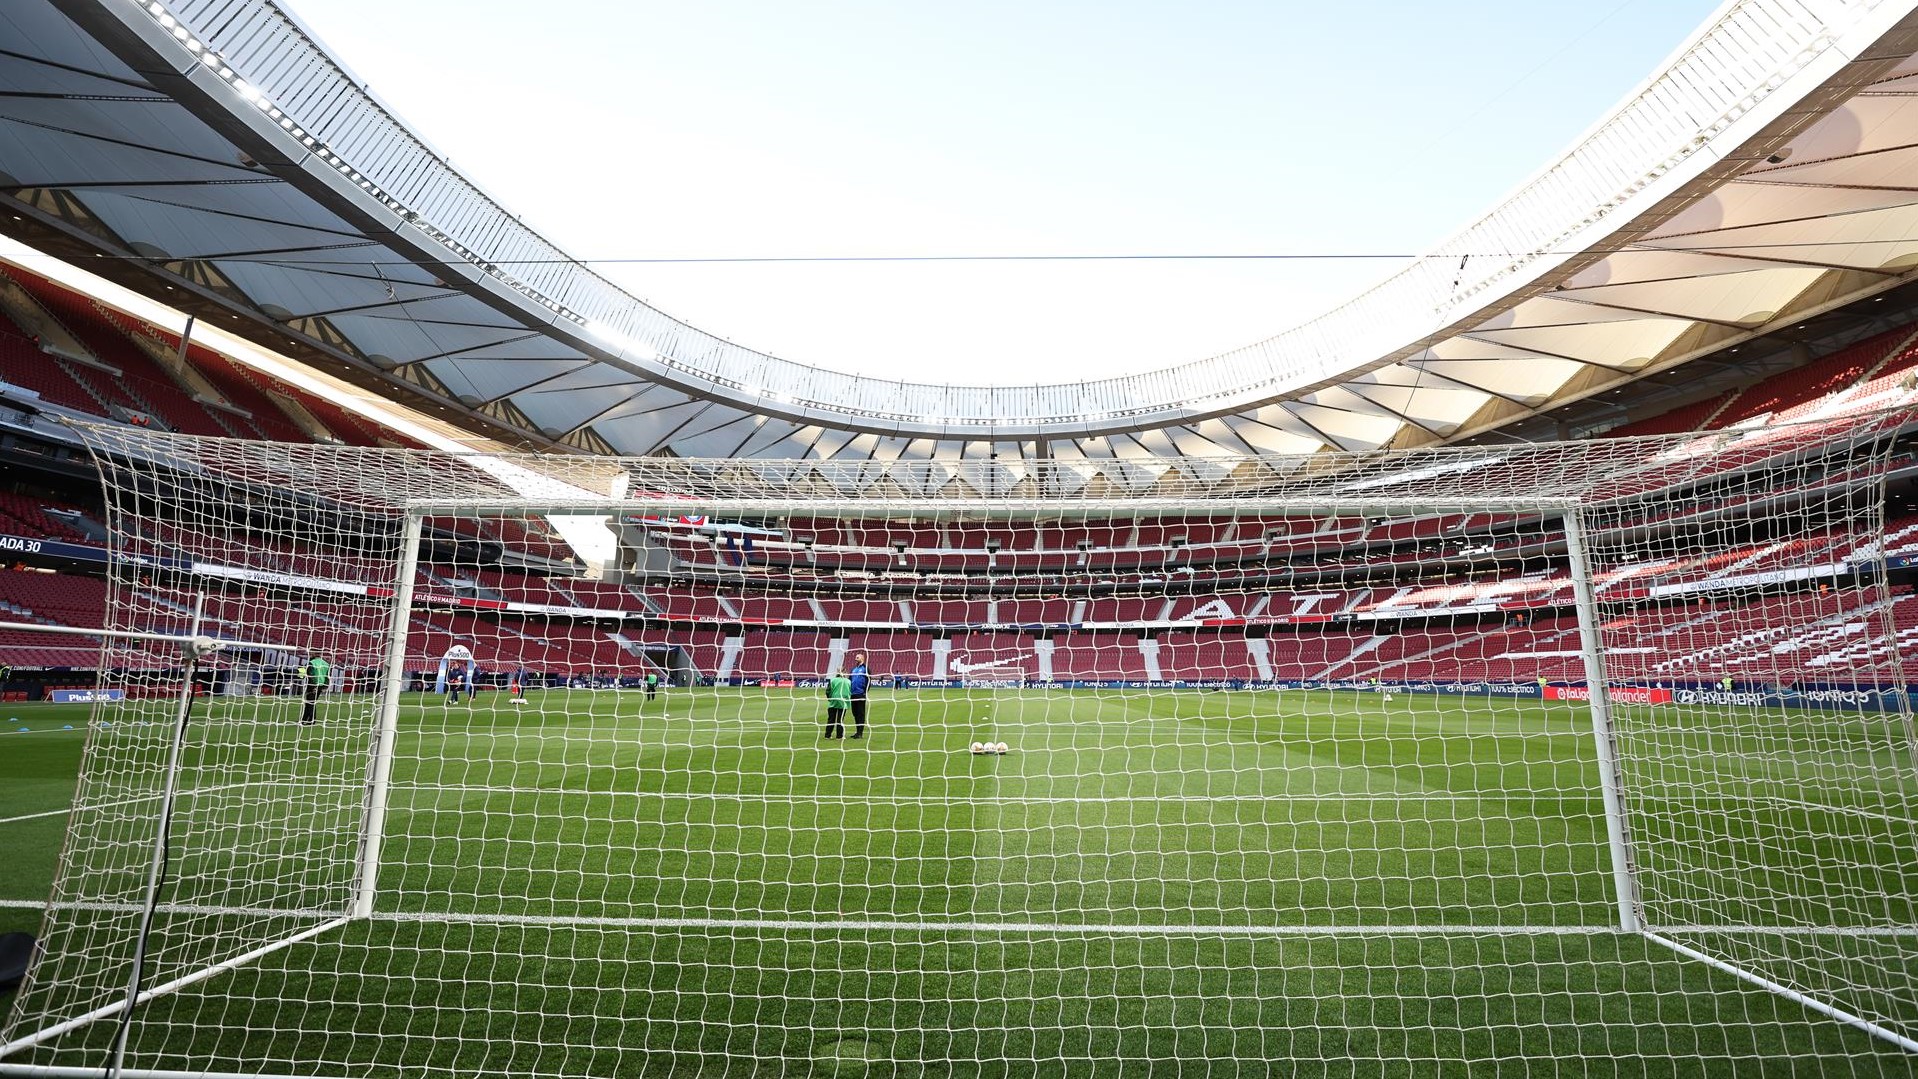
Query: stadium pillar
[
  {"x": 1599, "y": 701},
  {"x": 374, "y": 830}
]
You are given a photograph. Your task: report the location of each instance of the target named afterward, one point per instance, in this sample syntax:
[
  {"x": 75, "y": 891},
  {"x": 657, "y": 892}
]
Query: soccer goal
[{"x": 1573, "y": 759}]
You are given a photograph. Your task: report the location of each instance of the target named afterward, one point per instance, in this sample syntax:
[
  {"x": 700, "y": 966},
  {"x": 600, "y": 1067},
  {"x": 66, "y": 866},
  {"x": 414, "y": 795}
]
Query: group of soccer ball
[{"x": 995, "y": 748}]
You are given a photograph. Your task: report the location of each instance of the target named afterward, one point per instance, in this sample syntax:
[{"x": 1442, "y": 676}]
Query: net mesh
[{"x": 1302, "y": 765}]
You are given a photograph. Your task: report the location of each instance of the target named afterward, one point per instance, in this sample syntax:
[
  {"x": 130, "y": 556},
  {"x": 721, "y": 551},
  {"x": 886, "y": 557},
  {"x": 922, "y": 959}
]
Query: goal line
[
  {"x": 936, "y": 926},
  {"x": 1437, "y": 797},
  {"x": 1558, "y": 797}
]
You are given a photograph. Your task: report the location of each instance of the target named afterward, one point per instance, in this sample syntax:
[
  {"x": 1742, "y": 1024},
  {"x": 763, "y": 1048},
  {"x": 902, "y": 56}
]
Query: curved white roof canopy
[{"x": 1665, "y": 233}]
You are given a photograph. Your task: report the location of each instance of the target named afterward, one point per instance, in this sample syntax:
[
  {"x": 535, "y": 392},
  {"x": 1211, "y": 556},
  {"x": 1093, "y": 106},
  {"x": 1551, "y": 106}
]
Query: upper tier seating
[
  {"x": 23, "y": 364},
  {"x": 145, "y": 387},
  {"x": 1826, "y": 386}
]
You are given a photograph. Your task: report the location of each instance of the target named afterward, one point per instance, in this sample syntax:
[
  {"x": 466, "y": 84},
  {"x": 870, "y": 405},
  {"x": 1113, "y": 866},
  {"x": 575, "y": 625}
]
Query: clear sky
[{"x": 720, "y": 128}]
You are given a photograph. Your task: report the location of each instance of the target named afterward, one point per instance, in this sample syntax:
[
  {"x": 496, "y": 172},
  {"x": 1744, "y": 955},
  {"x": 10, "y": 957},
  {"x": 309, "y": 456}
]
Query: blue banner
[
  {"x": 1855, "y": 698},
  {"x": 1863, "y": 698},
  {"x": 51, "y": 548},
  {"x": 82, "y": 552}
]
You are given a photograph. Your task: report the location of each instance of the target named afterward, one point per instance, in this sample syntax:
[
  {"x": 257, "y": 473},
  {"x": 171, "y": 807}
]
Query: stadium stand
[
  {"x": 112, "y": 371},
  {"x": 1854, "y": 379},
  {"x": 1343, "y": 612},
  {"x": 23, "y": 364}
]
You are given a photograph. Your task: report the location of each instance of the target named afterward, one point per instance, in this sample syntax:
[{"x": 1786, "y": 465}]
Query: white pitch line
[
  {"x": 1013, "y": 799},
  {"x": 989, "y": 929},
  {"x": 1794, "y": 930},
  {"x": 1099, "y": 929},
  {"x": 123, "y": 802},
  {"x": 15, "y": 733},
  {"x": 165, "y": 908},
  {"x": 584, "y": 921},
  {"x": 55, "y": 812},
  {"x": 587, "y": 921},
  {"x": 1856, "y": 811},
  {"x": 1035, "y": 799},
  {"x": 1569, "y": 798}
]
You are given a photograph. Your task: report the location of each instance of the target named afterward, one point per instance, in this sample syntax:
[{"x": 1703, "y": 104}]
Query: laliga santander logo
[{"x": 1621, "y": 694}]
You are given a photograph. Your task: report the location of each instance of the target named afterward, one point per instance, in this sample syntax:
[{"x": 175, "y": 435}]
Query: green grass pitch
[{"x": 1150, "y": 883}]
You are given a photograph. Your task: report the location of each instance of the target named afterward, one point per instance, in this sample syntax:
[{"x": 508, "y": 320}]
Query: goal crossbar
[
  {"x": 141, "y": 635},
  {"x": 986, "y": 508}
]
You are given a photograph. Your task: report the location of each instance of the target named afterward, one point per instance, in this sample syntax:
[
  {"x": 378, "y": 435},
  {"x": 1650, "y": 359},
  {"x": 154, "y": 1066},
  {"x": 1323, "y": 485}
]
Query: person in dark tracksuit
[{"x": 860, "y": 678}]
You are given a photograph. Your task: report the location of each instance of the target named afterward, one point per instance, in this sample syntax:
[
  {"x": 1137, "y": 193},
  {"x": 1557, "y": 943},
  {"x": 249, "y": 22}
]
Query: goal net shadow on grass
[{"x": 1281, "y": 868}]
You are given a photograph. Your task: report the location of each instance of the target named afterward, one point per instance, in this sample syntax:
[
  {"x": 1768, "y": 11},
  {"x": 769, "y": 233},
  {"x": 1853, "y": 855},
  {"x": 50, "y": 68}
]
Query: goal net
[{"x": 1560, "y": 759}]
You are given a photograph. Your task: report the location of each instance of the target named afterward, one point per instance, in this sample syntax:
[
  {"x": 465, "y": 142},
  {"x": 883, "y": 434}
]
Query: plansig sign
[{"x": 87, "y": 696}]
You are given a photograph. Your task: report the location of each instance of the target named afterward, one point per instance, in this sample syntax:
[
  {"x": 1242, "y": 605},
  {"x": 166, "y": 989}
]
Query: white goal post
[{"x": 1524, "y": 723}]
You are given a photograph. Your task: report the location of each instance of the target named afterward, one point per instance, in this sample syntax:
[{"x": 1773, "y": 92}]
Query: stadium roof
[{"x": 214, "y": 151}]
